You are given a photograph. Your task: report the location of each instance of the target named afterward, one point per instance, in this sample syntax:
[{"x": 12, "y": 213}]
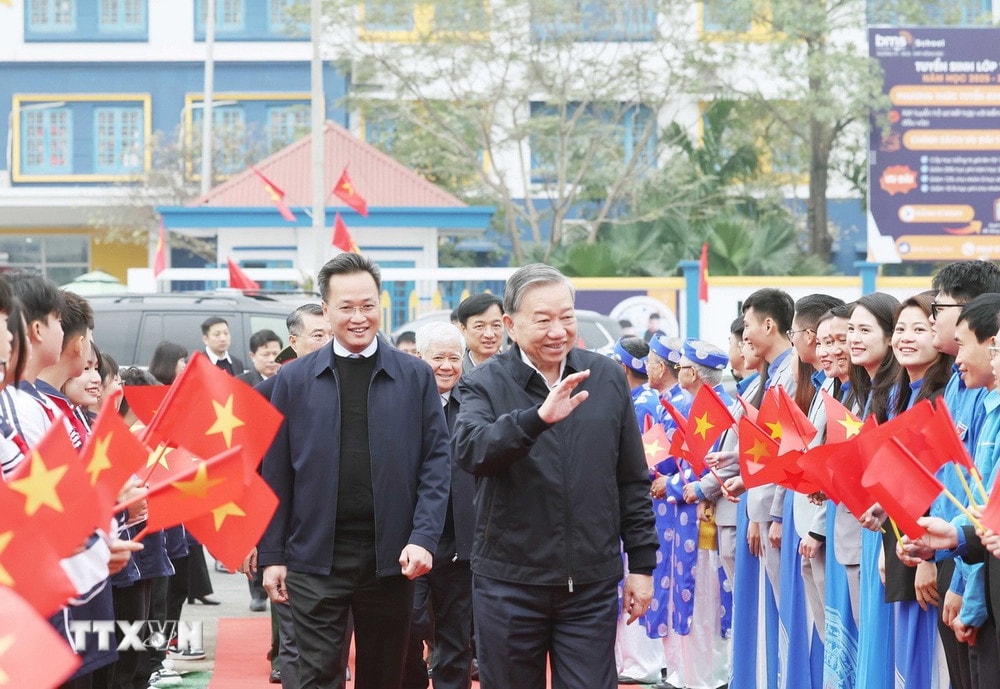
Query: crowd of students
[{"x": 820, "y": 596}]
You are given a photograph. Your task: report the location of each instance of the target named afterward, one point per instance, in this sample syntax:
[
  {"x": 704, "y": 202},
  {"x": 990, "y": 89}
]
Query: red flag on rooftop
[
  {"x": 656, "y": 445},
  {"x": 51, "y": 489},
  {"x": 232, "y": 529},
  {"x": 207, "y": 411},
  {"x": 342, "y": 238},
  {"x": 902, "y": 485},
  {"x": 111, "y": 455},
  {"x": 841, "y": 424},
  {"x": 708, "y": 419},
  {"x": 345, "y": 191},
  {"x": 32, "y": 653},
  {"x": 160, "y": 257},
  {"x": 203, "y": 487},
  {"x": 239, "y": 279},
  {"x": 703, "y": 273},
  {"x": 277, "y": 196}
]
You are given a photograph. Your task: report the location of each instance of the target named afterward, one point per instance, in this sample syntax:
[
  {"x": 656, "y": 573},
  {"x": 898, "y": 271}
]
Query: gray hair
[
  {"x": 296, "y": 319},
  {"x": 529, "y": 276},
  {"x": 709, "y": 376},
  {"x": 439, "y": 333}
]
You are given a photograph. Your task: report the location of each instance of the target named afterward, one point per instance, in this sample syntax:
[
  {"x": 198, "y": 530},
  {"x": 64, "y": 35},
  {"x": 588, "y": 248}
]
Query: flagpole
[
  {"x": 965, "y": 485},
  {"x": 209, "y": 89},
  {"x": 318, "y": 113}
]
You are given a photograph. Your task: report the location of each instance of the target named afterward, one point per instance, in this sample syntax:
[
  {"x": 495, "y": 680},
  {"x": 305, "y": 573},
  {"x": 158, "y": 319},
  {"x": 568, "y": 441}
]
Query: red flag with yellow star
[
  {"x": 277, "y": 196},
  {"x": 208, "y": 411},
  {"x": 203, "y": 487},
  {"x": 232, "y": 529},
  {"x": 51, "y": 489},
  {"x": 345, "y": 191},
  {"x": 30, "y": 566},
  {"x": 656, "y": 445},
  {"x": 796, "y": 430},
  {"x": 758, "y": 455},
  {"x": 841, "y": 424},
  {"x": 32, "y": 653},
  {"x": 112, "y": 454},
  {"x": 708, "y": 419},
  {"x": 342, "y": 238},
  {"x": 144, "y": 400}
]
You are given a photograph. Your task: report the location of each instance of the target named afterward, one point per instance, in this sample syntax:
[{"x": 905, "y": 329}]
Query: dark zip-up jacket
[
  {"x": 554, "y": 503},
  {"x": 410, "y": 459}
]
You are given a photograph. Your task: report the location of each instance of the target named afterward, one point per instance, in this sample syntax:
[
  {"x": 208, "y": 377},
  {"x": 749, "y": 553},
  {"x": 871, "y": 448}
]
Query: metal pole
[
  {"x": 209, "y": 88},
  {"x": 318, "y": 113}
]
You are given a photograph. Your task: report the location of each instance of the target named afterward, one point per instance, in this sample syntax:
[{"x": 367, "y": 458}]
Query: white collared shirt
[
  {"x": 562, "y": 369},
  {"x": 340, "y": 350},
  {"x": 216, "y": 359}
]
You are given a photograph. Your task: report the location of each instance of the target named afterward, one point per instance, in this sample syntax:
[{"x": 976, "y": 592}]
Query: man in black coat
[{"x": 561, "y": 483}]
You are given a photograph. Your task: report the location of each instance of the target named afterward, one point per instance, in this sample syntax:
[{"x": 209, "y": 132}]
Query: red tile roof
[{"x": 381, "y": 180}]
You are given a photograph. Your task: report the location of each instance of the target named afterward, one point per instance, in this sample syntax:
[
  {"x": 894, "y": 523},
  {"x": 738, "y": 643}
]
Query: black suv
[{"x": 130, "y": 326}]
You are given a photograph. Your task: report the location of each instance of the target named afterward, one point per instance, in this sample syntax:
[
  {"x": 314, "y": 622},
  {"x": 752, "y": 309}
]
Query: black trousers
[
  {"x": 131, "y": 603},
  {"x": 447, "y": 590},
  {"x": 381, "y": 609},
  {"x": 518, "y": 626},
  {"x": 956, "y": 654}
]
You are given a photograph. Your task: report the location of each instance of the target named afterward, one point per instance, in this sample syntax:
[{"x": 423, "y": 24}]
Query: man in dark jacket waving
[{"x": 561, "y": 483}]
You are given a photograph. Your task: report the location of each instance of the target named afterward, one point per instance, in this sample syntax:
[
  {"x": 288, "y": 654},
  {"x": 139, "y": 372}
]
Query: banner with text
[{"x": 934, "y": 161}]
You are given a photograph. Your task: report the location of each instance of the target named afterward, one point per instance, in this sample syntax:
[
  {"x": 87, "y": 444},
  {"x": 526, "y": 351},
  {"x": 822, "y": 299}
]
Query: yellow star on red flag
[
  {"x": 852, "y": 425},
  {"x": 200, "y": 484},
  {"x": 703, "y": 425},
  {"x": 41, "y": 486},
  {"x": 100, "y": 461}
]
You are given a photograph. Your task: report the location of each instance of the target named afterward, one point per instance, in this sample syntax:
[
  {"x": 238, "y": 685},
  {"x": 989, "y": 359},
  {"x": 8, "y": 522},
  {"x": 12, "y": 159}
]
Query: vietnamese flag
[
  {"x": 816, "y": 463},
  {"x": 902, "y": 485},
  {"x": 749, "y": 410},
  {"x": 708, "y": 419},
  {"x": 345, "y": 191},
  {"x": 239, "y": 279},
  {"x": 679, "y": 421},
  {"x": 703, "y": 273},
  {"x": 846, "y": 469},
  {"x": 841, "y": 424},
  {"x": 945, "y": 437},
  {"x": 910, "y": 428},
  {"x": 769, "y": 414},
  {"x": 29, "y": 565},
  {"x": 796, "y": 430},
  {"x": 208, "y": 411},
  {"x": 277, "y": 196},
  {"x": 51, "y": 489},
  {"x": 144, "y": 400},
  {"x": 32, "y": 653},
  {"x": 160, "y": 257},
  {"x": 759, "y": 464},
  {"x": 112, "y": 454},
  {"x": 342, "y": 238},
  {"x": 203, "y": 487},
  {"x": 656, "y": 445},
  {"x": 232, "y": 529}
]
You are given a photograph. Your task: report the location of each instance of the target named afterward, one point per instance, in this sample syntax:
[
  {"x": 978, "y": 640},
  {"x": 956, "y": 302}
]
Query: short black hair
[
  {"x": 207, "y": 324},
  {"x": 810, "y": 308},
  {"x": 77, "y": 316},
  {"x": 39, "y": 296},
  {"x": 19, "y": 347},
  {"x": 770, "y": 302},
  {"x": 261, "y": 338},
  {"x": 636, "y": 346},
  {"x": 980, "y": 315},
  {"x": 477, "y": 304},
  {"x": 6, "y": 295},
  {"x": 737, "y": 327},
  {"x": 966, "y": 280},
  {"x": 107, "y": 367},
  {"x": 346, "y": 264},
  {"x": 406, "y": 336},
  {"x": 133, "y": 375},
  {"x": 163, "y": 364}
]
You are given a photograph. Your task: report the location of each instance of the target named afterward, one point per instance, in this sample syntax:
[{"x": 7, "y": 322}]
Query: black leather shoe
[
  {"x": 275, "y": 677},
  {"x": 204, "y": 600},
  {"x": 258, "y": 605}
]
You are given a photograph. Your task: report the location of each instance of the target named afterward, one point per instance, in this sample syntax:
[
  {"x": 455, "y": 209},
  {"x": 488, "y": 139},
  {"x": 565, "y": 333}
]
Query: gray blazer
[{"x": 764, "y": 503}]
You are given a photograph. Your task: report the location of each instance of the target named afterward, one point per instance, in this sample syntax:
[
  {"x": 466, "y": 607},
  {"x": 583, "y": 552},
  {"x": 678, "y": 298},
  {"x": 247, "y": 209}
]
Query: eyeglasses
[
  {"x": 937, "y": 305},
  {"x": 681, "y": 368},
  {"x": 790, "y": 334},
  {"x": 364, "y": 310},
  {"x": 994, "y": 352}
]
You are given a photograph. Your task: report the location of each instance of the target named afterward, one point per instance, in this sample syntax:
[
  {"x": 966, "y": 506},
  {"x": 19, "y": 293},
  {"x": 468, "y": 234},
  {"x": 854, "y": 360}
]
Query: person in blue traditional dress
[
  {"x": 802, "y": 617},
  {"x": 697, "y": 592},
  {"x": 840, "y": 624},
  {"x": 639, "y": 658},
  {"x": 873, "y": 375},
  {"x": 913, "y": 592}
]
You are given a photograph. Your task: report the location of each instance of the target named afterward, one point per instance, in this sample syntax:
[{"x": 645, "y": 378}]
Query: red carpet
[{"x": 239, "y": 654}]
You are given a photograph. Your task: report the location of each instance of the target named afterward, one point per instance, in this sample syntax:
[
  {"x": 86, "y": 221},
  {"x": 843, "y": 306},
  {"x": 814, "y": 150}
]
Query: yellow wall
[{"x": 116, "y": 259}]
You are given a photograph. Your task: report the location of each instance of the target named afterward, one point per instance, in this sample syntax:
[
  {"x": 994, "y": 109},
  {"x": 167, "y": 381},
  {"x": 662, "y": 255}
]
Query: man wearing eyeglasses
[
  {"x": 363, "y": 487},
  {"x": 957, "y": 284}
]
